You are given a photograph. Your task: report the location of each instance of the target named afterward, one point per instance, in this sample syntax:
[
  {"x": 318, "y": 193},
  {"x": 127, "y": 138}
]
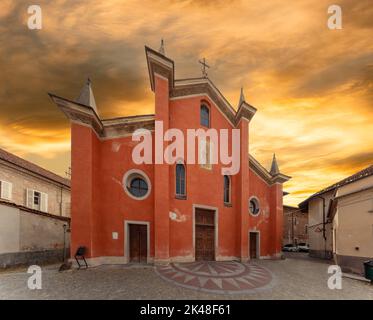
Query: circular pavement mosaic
[{"x": 217, "y": 276}]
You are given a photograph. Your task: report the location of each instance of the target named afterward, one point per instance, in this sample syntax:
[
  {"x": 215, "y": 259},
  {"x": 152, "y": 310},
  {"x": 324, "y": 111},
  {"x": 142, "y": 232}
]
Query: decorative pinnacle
[
  {"x": 242, "y": 97},
  {"x": 161, "y": 48},
  {"x": 86, "y": 95},
  {"x": 274, "y": 168}
]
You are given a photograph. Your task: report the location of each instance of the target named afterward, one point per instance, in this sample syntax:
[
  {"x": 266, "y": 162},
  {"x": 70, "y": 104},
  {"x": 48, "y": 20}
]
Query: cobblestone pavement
[{"x": 292, "y": 279}]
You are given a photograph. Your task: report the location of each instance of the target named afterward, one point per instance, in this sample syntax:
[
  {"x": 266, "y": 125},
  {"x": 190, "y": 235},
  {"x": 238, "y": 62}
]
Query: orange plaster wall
[
  {"x": 261, "y": 190},
  {"x": 161, "y": 176},
  {"x": 83, "y": 158},
  {"x": 115, "y": 205},
  {"x": 100, "y": 206},
  {"x": 204, "y": 187}
]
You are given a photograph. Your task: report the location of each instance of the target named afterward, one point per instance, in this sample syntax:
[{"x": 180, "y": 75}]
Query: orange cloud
[{"x": 312, "y": 86}]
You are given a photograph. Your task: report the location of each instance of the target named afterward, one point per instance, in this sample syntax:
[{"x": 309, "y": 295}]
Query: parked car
[
  {"x": 289, "y": 248},
  {"x": 303, "y": 247}
]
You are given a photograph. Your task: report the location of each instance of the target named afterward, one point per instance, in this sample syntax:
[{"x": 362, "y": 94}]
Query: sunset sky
[{"x": 312, "y": 86}]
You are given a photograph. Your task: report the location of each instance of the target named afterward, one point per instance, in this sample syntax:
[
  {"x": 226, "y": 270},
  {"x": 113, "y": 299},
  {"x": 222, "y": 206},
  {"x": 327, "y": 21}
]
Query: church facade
[{"x": 123, "y": 211}]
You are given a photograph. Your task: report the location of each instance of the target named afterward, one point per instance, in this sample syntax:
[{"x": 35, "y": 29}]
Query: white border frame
[
  {"x": 257, "y": 243},
  {"x": 216, "y": 224},
  {"x": 141, "y": 173},
  {"x": 260, "y": 209},
  {"x": 127, "y": 238}
]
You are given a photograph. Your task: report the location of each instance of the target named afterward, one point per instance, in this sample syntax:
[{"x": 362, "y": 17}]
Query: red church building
[{"x": 157, "y": 212}]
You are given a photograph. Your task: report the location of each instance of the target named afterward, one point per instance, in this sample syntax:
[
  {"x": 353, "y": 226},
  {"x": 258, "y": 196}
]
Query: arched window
[
  {"x": 227, "y": 189},
  {"x": 205, "y": 116},
  {"x": 180, "y": 180}
]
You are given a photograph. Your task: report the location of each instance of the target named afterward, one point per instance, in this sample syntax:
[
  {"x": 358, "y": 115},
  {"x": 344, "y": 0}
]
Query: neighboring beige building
[
  {"x": 295, "y": 229},
  {"x": 26, "y": 184},
  {"x": 34, "y": 213},
  {"x": 352, "y": 220},
  {"x": 319, "y": 229},
  {"x": 348, "y": 221}
]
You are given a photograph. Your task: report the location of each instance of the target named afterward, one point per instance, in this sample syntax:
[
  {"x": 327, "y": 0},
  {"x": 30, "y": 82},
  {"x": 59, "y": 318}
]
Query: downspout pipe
[
  {"x": 61, "y": 213},
  {"x": 323, "y": 224},
  {"x": 292, "y": 228}
]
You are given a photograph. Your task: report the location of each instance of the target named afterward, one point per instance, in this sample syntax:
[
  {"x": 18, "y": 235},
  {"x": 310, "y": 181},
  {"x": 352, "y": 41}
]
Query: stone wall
[{"x": 30, "y": 237}]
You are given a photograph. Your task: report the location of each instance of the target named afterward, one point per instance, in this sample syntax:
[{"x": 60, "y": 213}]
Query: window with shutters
[
  {"x": 37, "y": 200},
  {"x": 5, "y": 190}
]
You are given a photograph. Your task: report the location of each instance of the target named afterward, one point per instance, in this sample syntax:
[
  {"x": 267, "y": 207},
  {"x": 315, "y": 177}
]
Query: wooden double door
[
  {"x": 138, "y": 243},
  {"x": 204, "y": 235}
]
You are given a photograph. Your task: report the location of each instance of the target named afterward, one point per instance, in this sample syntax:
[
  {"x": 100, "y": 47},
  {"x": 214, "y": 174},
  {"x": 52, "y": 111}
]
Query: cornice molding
[
  {"x": 165, "y": 67},
  {"x": 79, "y": 113},
  {"x": 159, "y": 64},
  {"x": 125, "y": 126},
  {"x": 259, "y": 170},
  {"x": 246, "y": 111},
  {"x": 264, "y": 174}
]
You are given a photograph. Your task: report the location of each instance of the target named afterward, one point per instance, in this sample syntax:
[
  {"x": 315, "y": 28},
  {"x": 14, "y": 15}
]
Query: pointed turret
[
  {"x": 244, "y": 110},
  {"x": 161, "y": 48},
  {"x": 86, "y": 96},
  {"x": 274, "y": 167},
  {"x": 242, "y": 97}
]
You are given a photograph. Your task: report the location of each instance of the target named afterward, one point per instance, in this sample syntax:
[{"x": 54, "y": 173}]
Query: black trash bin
[{"x": 368, "y": 268}]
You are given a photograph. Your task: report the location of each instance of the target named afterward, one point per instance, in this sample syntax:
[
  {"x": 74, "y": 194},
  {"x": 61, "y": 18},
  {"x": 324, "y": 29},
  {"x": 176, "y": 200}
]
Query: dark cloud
[
  {"x": 352, "y": 69},
  {"x": 357, "y": 160},
  {"x": 290, "y": 64},
  {"x": 37, "y": 63}
]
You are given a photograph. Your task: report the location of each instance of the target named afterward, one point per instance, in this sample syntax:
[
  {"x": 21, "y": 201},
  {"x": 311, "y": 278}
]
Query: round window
[
  {"x": 254, "y": 206},
  {"x": 138, "y": 187},
  {"x": 136, "y": 184}
]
